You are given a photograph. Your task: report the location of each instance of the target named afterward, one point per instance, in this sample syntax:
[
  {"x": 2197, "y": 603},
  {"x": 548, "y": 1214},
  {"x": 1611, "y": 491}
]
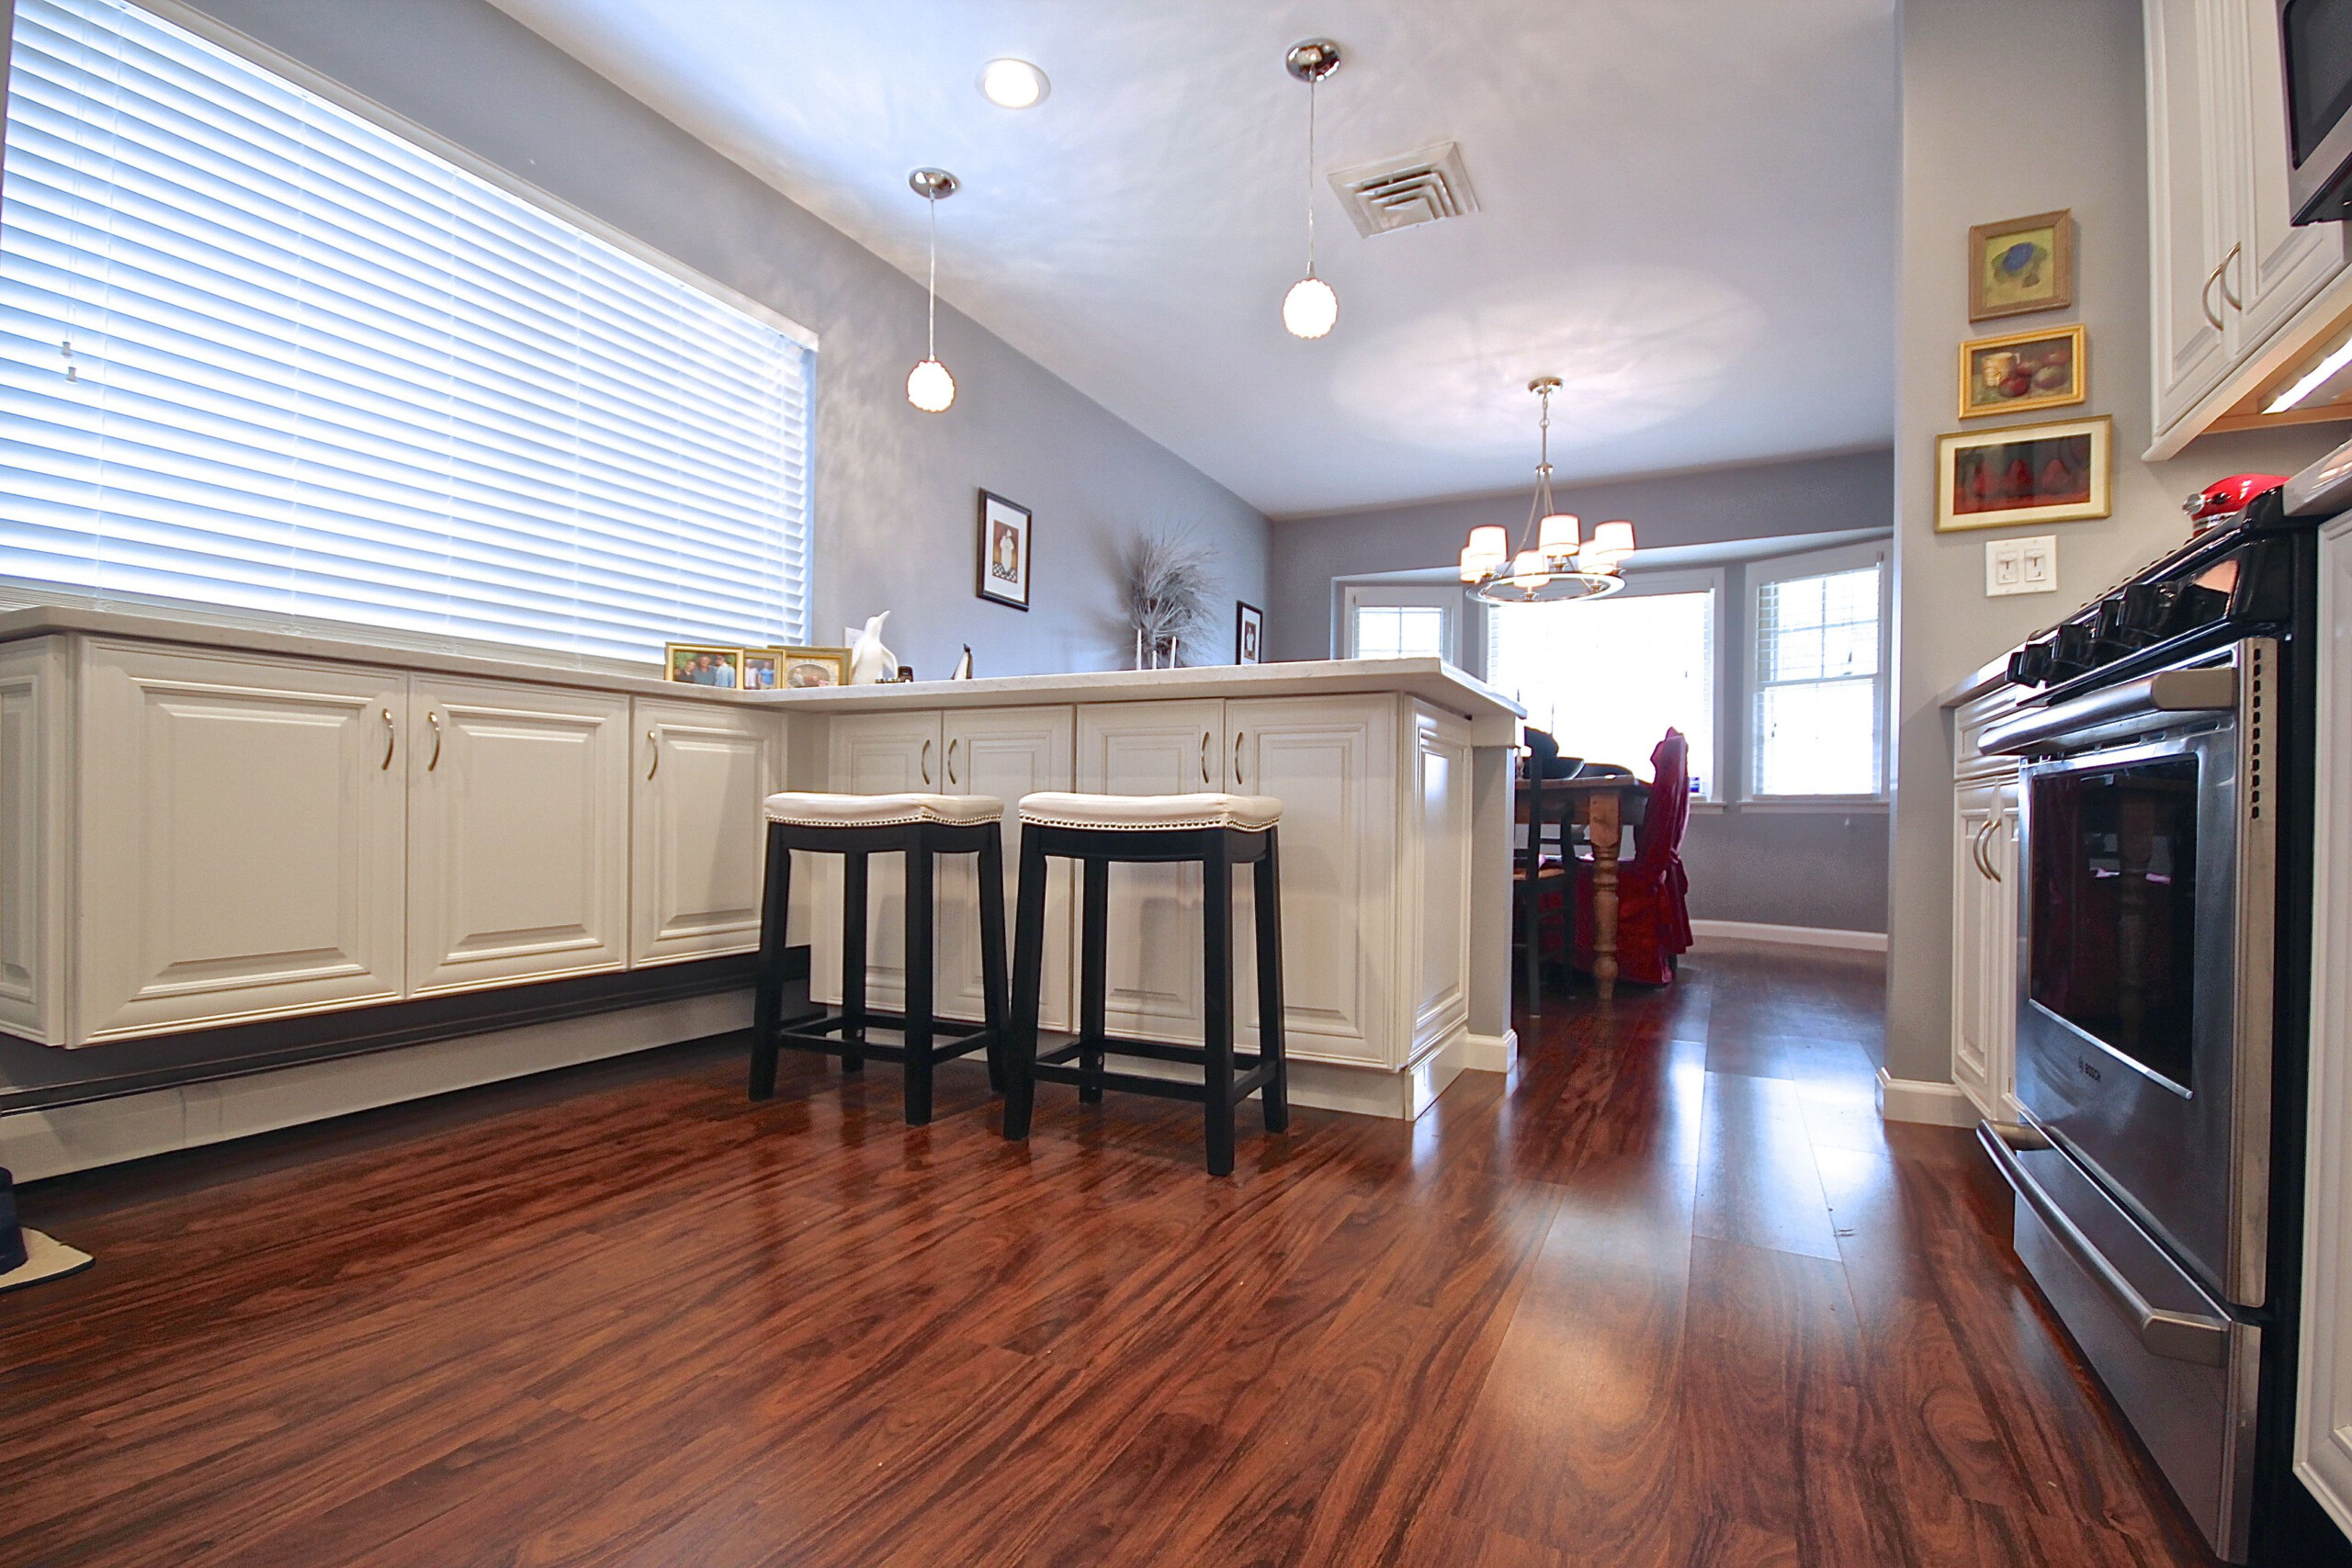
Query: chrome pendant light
[
  {"x": 929, "y": 386},
  {"x": 1551, "y": 562},
  {"x": 1310, "y": 308}
]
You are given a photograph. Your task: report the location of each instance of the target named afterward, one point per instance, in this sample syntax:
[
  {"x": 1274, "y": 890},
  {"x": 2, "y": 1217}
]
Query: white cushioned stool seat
[
  {"x": 811, "y": 810},
  {"x": 1149, "y": 813}
]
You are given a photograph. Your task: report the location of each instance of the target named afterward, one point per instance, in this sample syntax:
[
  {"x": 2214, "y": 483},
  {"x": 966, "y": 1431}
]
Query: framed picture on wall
[
  {"x": 2024, "y": 474},
  {"x": 2024, "y": 371},
  {"x": 2021, "y": 266},
  {"x": 1249, "y": 634},
  {"x": 1005, "y": 551}
]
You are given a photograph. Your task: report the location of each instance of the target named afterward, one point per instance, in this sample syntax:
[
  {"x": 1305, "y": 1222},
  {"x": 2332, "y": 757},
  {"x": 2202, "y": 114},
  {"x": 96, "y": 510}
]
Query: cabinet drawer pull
[
  {"x": 653, "y": 743},
  {"x": 1204, "y": 756},
  {"x": 434, "y": 720},
  {"x": 1237, "y": 756},
  {"x": 2237, "y": 253},
  {"x": 926, "y": 762},
  {"x": 2205, "y": 299},
  {"x": 391, "y": 739},
  {"x": 950, "y": 759}
]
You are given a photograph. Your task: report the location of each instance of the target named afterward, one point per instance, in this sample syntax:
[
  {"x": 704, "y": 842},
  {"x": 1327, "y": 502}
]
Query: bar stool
[
  {"x": 1215, "y": 831},
  {"x": 855, "y": 827}
]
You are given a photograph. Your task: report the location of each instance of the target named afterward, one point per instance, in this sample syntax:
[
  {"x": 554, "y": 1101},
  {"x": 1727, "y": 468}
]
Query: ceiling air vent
[{"x": 1397, "y": 193}]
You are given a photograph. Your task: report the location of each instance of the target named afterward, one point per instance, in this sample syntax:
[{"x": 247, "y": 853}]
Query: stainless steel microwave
[{"x": 2315, "y": 49}]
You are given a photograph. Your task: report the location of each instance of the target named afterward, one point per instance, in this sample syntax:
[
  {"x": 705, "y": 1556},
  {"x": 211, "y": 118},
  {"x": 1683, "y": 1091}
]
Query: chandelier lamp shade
[
  {"x": 1554, "y": 560},
  {"x": 929, "y": 386},
  {"x": 1310, "y": 308}
]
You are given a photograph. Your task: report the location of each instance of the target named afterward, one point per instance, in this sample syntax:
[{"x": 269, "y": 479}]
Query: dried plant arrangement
[{"x": 1168, "y": 587}]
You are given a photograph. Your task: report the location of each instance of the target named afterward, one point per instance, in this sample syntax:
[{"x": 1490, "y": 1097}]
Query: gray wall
[
  {"x": 1776, "y": 865},
  {"x": 2087, "y": 152},
  {"x": 895, "y": 489}
]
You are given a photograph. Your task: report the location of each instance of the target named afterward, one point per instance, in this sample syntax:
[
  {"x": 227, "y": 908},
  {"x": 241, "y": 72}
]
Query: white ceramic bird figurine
[
  {"x": 964, "y": 665},
  {"x": 870, "y": 663}
]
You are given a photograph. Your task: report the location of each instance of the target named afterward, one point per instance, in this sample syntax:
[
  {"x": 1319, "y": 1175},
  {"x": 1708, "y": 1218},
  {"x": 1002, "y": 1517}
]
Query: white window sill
[{"x": 1815, "y": 805}]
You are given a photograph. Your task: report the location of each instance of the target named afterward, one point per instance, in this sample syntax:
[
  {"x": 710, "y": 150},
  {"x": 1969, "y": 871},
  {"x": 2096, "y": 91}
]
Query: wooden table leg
[{"x": 1601, "y": 827}]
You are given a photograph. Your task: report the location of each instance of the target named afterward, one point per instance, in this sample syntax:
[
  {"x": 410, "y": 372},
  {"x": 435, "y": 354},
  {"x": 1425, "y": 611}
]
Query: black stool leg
[
  {"x": 854, "y": 870},
  {"x": 767, "y": 1001},
  {"x": 919, "y": 865},
  {"x": 1028, "y": 986},
  {"x": 1093, "y": 969},
  {"x": 992, "y": 966},
  {"x": 1276, "y": 1094},
  {"x": 1216, "y": 1001}
]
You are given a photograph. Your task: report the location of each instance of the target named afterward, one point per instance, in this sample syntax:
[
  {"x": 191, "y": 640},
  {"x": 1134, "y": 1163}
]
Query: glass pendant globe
[
  {"x": 929, "y": 388},
  {"x": 1310, "y": 308}
]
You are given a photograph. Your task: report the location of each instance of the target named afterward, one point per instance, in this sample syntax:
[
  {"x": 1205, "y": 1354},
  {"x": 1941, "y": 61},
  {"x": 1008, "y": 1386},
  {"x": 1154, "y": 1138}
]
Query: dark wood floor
[{"x": 1671, "y": 1295}]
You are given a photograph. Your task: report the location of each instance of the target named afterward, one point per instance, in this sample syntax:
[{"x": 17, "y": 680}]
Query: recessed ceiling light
[{"x": 1013, "y": 84}]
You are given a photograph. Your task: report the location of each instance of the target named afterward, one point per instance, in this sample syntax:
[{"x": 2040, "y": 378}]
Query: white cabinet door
[
  {"x": 2189, "y": 220},
  {"x": 696, "y": 849},
  {"x": 32, "y": 839},
  {"x": 1985, "y": 945},
  {"x": 241, "y": 839},
  {"x": 1435, "y": 850},
  {"x": 1332, "y": 762},
  {"x": 1153, "y": 988},
  {"x": 518, "y": 833},
  {"x": 2274, "y": 266},
  {"x": 2324, "y": 1397},
  {"x": 875, "y": 754},
  {"x": 1004, "y": 753}
]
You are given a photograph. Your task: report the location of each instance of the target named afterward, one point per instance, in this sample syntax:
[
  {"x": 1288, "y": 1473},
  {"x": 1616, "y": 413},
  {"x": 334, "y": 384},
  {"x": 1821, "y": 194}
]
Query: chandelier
[{"x": 1553, "y": 563}]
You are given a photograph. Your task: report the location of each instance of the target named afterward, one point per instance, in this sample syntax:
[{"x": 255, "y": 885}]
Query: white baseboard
[
  {"x": 1915, "y": 1100},
  {"x": 37, "y": 1143},
  {"x": 1794, "y": 936},
  {"x": 1490, "y": 1052}
]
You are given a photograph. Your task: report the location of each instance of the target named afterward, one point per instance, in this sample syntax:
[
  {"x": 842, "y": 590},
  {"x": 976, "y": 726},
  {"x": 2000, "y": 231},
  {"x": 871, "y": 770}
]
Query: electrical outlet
[{"x": 2021, "y": 566}]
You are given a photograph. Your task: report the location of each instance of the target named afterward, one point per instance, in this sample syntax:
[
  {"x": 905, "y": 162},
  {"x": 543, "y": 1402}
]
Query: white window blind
[
  {"x": 259, "y": 351},
  {"x": 1818, "y": 696}
]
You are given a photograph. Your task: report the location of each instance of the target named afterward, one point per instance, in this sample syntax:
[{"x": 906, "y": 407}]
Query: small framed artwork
[
  {"x": 1249, "y": 634},
  {"x": 760, "y": 668},
  {"x": 1005, "y": 551},
  {"x": 2024, "y": 371},
  {"x": 807, "y": 669},
  {"x": 2021, "y": 266},
  {"x": 699, "y": 664},
  {"x": 2024, "y": 474}
]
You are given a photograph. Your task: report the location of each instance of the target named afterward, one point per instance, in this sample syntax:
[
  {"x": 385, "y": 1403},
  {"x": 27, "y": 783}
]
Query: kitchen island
[{"x": 1395, "y": 778}]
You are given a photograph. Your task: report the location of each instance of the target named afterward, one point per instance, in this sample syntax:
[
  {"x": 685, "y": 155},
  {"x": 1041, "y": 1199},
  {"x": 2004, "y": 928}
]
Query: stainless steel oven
[{"x": 2144, "y": 957}]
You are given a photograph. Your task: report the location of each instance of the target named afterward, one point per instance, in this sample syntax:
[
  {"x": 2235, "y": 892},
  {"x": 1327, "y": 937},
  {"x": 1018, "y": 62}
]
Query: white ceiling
[{"x": 1689, "y": 212}]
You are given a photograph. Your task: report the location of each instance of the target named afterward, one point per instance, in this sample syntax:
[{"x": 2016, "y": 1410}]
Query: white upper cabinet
[
  {"x": 518, "y": 833},
  {"x": 2229, "y": 275},
  {"x": 243, "y": 842},
  {"x": 696, "y": 849}
]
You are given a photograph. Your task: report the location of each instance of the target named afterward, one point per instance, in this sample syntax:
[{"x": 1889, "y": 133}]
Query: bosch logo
[{"x": 2089, "y": 1071}]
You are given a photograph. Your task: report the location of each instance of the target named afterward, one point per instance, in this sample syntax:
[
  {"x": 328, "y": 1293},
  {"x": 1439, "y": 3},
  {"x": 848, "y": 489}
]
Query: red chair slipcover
[{"x": 1653, "y": 916}]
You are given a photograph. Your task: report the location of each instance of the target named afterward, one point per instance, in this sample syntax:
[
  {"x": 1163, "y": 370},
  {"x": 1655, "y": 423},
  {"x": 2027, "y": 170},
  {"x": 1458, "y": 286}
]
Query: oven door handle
[
  {"x": 2213, "y": 689},
  {"x": 2176, "y": 1335}
]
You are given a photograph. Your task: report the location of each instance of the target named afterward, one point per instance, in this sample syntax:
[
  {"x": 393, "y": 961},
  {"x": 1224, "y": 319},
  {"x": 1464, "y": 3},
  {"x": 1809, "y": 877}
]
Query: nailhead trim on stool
[
  {"x": 1149, "y": 813},
  {"x": 812, "y": 810}
]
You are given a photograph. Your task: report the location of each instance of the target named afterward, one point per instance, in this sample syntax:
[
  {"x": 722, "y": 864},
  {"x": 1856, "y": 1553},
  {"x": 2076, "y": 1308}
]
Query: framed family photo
[
  {"x": 2024, "y": 474},
  {"x": 1249, "y": 634},
  {"x": 2021, "y": 266},
  {"x": 2023, "y": 371},
  {"x": 1005, "y": 551},
  {"x": 807, "y": 669},
  {"x": 760, "y": 667},
  {"x": 701, "y": 664}
]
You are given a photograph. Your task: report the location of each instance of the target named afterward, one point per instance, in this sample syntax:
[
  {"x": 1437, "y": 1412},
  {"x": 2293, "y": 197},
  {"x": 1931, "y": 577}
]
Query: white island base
[{"x": 1396, "y": 778}]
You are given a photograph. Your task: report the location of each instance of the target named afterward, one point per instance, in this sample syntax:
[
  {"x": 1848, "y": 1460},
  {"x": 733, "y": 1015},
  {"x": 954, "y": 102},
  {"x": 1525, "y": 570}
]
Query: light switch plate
[{"x": 2021, "y": 566}]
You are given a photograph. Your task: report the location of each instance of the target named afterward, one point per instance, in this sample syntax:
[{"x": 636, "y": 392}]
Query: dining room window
[
  {"x": 1820, "y": 700},
  {"x": 1607, "y": 677},
  {"x": 1400, "y": 622}
]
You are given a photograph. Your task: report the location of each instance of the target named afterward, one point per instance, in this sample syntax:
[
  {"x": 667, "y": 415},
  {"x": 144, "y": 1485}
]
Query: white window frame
[
  {"x": 1357, "y": 596},
  {"x": 1672, "y": 580},
  {"x": 1786, "y": 569}
]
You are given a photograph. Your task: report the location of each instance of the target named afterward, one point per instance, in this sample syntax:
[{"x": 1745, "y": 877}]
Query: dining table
[{"x": 1604, "y": 807}]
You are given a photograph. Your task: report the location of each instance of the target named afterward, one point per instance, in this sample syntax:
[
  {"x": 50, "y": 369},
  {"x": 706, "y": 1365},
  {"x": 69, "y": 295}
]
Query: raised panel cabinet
[
  {"x": 1004, "y": 753},
  {"x": 241, "y": 839},
  {"x": 876, "y": 753},
  {"x": 1435, "y": 855},
  {"x": 33, "y": 687},
  {"x": 696, "y": 851},
  {"x": 518, "y": 833},
  {"x": 1985, "y": 945},
  {"x": 2189, "y": 203},
  {"x": 1153, "y": 983}
]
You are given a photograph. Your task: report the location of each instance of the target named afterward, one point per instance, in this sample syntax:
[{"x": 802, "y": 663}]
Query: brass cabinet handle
[
  {"x": 434, "y": 720},
  {"x": 391, "y": 737},
  {"x": 950, "y": 759},
  {"x": 1237, "y": 756},
  {"x": 926, "y": 762},
  {"x": 653, "y": 739},
  {"x": 2223, "y": 273},
  {"x": 2205, "y": 297},
  {"x": 1204, "y": 756}
]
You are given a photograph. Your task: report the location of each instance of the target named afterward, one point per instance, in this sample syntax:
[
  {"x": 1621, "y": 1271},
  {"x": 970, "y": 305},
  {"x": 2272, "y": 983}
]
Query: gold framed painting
[
  {"x": 2022, "y": 266},
  {"x": 2024, "y": 371},
  {"x": 809, "y": 669},
  {"x": 2025, "y": 474},
  {"x": 701, "y": 664}
]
